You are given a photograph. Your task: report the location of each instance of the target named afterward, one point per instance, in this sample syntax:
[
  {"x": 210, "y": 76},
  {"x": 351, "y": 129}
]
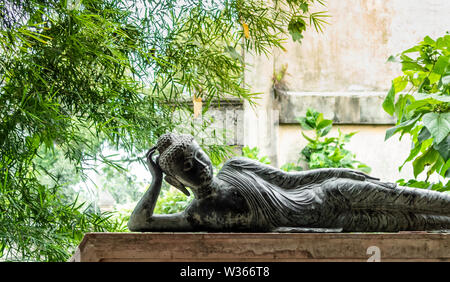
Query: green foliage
[
  {"x": 52, "y": 220},
  {"x": 76, "y": 74},
  {"x": 278, "y": 78},
  {"x": 172, "y": 201},
  {"x": 122, "y": 186},
  {"x": 328, "y": 151},
  {"x": 420, "y": 100},
  {"x": 296, "y": 28},
  {"x": 291, "y": 167},
  {"x": 53, "y": 233},
  {"x": 297, "y": 25},
  {"x": 425, "y": 185},
  {"x": 54, "y": 170},
  {"x": 253, "y": 153}
]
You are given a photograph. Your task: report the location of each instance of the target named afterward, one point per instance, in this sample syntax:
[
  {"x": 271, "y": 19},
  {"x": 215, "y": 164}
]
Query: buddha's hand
[
  {"x": 353, "y": 174},
  {"x": 153, "y": 166}
]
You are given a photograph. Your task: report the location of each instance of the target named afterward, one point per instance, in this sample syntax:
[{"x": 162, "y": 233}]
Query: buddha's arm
[
  {"x": 293, "y": 179},
  {"x": 142, "y": 217},
  {"x": 161, "y": 223}
]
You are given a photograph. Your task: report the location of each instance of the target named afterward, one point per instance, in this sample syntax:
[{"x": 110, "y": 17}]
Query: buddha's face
[
  {"x": 188, "y": 163},
  {"x": 196, "y": 169}
]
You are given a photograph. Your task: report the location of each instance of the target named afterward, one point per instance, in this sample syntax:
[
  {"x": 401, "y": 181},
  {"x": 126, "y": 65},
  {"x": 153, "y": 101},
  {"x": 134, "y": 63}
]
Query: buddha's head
[{"x": 184, "y": 161}]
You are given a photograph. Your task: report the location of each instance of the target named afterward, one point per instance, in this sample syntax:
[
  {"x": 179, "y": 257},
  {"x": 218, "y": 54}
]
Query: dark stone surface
[{"x": 247, "y": 196}]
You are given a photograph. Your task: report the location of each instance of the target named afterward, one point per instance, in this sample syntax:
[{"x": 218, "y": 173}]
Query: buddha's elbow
[
  {"x": 136, "y": 223},
  {"x": 131, "y": 224}
]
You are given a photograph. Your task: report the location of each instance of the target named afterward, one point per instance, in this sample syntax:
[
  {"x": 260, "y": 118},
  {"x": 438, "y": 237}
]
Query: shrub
[
  {"x": 327, "y": 152},
  {"x": 420, "y": 99},
  {"x": 172, "y": 201}
]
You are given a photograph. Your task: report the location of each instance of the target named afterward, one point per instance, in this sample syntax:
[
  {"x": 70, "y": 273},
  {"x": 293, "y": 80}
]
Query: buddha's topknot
[{"x": 164, "y": 142}]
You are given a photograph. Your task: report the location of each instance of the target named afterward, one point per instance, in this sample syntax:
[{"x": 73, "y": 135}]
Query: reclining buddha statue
[{"x": 248, "y": 196}]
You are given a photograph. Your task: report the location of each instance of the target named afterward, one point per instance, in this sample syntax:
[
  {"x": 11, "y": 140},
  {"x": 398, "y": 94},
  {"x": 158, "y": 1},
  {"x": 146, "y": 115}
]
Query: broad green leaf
[
  {"x": 337, "y": 156},
  {"x": 400, "y": 105},
  {"x": 406, "y": 125},
  {"x": 312, "y": 115},
  {"x": 425, "y": 84},
  {"x": 399, "y": 83},
  {"x": 330, "y": 140},
  {"x": 406, "y": 65},
  {"x": 412, "y": 154},
  {"x": 429, "y": 41},
  {"x": 307, "y": 138},
  {"x": 435, "y": 96},
  {"x": 412, "y": 49},
  {"x": 324, "y": 127},
  {"x": 364, "y": 168},
  {"x": 306, "y": 152},
  {"x": 426, "y": 145},
  {"x": 405, "y": 58},
  {"x": 424, "y": 134},
  {"x": 443, "y": 148},
  {"x": 441, "y": 64},
  {"x": 438, "y": 124},
  {"x": 436, "y": 166},
  {"x": 433, "y": 77},
  {"x": 441, "y": 43},
  {"x": 416, "y": 184},
  {"x": 319, "y": 119},
  {"x": 324, "y": 123},
  {"x": 304, "y": 124},
  {"x": 388, "y": 104},
  {"x": 420, "y": 103},
  {"x": 311, "y": 118},
  {"x": 324, "y": 131},
  {"x": 445, "y": 170},
  {"x": 426, "y": 159}
]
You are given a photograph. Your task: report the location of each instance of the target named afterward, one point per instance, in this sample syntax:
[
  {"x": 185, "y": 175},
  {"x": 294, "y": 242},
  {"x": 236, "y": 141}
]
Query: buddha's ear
[
  {"x": 177, "y": 184},
  {"x": 198, "y": 160}
]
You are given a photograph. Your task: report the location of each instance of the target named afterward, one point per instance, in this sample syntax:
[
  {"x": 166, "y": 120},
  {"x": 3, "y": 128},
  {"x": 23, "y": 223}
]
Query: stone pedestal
[{"x": 263, "y": 247}]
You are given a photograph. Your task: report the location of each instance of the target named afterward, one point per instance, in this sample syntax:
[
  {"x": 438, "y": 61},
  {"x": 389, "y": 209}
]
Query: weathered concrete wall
[
  {"x": 261, "y": 120},
  {"x": 347, "y": 60},
  {"x": 341, "y": 107},
  {"x": 221, "y": 124},
  {"x": 351, "y": 53}
]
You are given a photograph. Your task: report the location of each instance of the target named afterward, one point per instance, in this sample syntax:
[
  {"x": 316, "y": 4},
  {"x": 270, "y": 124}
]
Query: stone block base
[{"x": 263, "y": 247}]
